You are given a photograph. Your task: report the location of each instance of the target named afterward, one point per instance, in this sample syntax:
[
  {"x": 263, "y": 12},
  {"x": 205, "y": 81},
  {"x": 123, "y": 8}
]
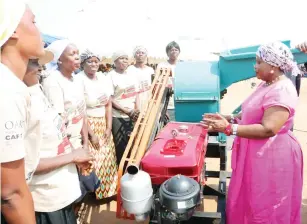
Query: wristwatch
[{"x": 234, "y": 129}]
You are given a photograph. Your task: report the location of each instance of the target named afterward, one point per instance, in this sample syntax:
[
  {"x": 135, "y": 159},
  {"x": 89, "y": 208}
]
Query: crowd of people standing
[{"x": 71, "y": 129}]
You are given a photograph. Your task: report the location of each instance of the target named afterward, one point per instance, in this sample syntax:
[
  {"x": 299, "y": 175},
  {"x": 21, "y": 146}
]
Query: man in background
[{"x": 173, "y": 52}]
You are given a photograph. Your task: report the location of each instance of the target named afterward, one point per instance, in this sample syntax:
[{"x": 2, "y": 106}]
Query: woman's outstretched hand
[
  {"x": 214, "y": 122},
  {"x": 302, "y": 47}
]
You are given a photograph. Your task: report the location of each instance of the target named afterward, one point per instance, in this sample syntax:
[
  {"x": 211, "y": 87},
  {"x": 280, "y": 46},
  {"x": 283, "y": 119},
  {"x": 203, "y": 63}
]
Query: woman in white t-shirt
[
  {"x": 64, "y": 93},
  {"x": 56, "y": 176},
  {"x": 172, "y": 51},
  {"x": 67, "y": 96},
  {"x": 125, "y": 102},
  {"x": 143, "y": 74},
  {"x": 19, "y": 129},
  {"x": 97, "y": 90}
]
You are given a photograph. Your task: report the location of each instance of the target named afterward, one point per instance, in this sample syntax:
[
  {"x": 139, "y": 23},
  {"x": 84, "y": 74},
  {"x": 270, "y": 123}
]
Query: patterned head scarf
[
  {"x": 279, "y": 55},
  {"x": 57, "y": 48},
  {"x": 88, "y": 54},
  {"x": 140, "y": 48},
  {"x": 118, "y": 54}
]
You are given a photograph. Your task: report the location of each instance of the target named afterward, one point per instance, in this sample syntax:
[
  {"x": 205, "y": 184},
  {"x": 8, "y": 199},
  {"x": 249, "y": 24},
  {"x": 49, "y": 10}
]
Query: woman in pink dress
[{"x": 267, "y": 163}]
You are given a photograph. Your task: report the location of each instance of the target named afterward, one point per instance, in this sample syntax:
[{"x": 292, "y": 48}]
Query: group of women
[
  {"x": 65, "y": 136},
  {"x": 65, "y": 132}
]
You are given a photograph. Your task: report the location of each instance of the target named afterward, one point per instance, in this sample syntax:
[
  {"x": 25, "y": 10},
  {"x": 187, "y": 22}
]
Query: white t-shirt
[
  {"x": 143, "y": 76},
  {"x": 59, "y": 188},
  {"x": 171, "y": 104},
  {"x": 67, "y": 97},
  {"x": 20, "y": 127},
  {"x": 97, "y": 93},
  {"x": 125, "y": 89}
]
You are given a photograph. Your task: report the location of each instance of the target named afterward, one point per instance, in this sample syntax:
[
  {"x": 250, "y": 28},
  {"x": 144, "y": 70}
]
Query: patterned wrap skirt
[{"x": 105, "y": 165}]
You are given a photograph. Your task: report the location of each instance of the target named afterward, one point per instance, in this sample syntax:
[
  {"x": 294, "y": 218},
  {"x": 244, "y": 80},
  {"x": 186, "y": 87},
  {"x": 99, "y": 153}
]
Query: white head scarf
[
  {"x": 57, "y": 48},
  {"x": 11, "y": 12},
  {"x": 140, "y": 48},
  {"x": 118, "y": 54},
  {"x": 279, "y": 55}
]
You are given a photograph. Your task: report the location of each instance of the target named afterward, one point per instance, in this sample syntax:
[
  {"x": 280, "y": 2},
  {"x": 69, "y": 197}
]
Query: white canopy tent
[{"x": 200, "y": 27}]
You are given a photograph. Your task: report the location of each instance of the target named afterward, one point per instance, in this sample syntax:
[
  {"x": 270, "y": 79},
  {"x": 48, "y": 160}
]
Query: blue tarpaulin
[{"x": 49, "y": 39}]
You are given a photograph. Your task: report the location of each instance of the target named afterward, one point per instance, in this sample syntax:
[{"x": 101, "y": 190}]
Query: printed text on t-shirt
[
  {"x": 129, "y": 92},
  {"x": 79, "y": 112}
]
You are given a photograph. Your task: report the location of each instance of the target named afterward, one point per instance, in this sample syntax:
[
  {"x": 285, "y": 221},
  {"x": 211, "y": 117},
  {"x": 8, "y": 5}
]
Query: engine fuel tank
[{"x": 179, "y": 148}]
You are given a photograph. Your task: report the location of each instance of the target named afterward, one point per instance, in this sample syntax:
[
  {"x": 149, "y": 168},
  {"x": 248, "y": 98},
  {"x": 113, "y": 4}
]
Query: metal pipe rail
[{"x": 144, "y": 129}]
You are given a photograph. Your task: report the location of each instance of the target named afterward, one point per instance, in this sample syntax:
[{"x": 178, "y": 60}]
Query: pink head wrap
[{"x": 279, "y": 55}]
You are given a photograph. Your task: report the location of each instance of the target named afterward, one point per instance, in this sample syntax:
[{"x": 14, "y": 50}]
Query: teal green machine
[
  {"x": 198, "y": 84},
  {"x": 197, "y": 90}
]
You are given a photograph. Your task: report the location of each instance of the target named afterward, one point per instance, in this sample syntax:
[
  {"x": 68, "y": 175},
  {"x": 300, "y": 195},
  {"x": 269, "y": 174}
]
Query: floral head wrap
[
  {"x": 88, "y": 54},
  {"x": 279, "y": 55}
]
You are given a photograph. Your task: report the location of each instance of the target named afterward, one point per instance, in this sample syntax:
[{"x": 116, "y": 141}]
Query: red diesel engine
[
  {"x": 179, "y": 148},
  {"x": 175, "y": 163}
]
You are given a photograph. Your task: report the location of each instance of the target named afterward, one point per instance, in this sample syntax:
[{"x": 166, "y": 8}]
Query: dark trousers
[
  {"x": 298, "y": 84},
  {"x": 63, "y": 216},
  {"x": 121, "y": 131},
  {"x": 298, "y": 87}
]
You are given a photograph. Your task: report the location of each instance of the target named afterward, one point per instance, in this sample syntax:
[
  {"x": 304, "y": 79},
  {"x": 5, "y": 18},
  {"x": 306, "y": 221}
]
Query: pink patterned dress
[{"x": 267, "y": 179}]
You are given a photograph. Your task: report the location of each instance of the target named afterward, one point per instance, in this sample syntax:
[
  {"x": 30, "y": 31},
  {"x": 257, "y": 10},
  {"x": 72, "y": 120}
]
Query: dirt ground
[{"x": 97, "y": 213}]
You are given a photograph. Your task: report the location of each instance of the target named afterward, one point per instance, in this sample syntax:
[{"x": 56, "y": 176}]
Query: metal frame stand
[{"x": 215, "y": 149}]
